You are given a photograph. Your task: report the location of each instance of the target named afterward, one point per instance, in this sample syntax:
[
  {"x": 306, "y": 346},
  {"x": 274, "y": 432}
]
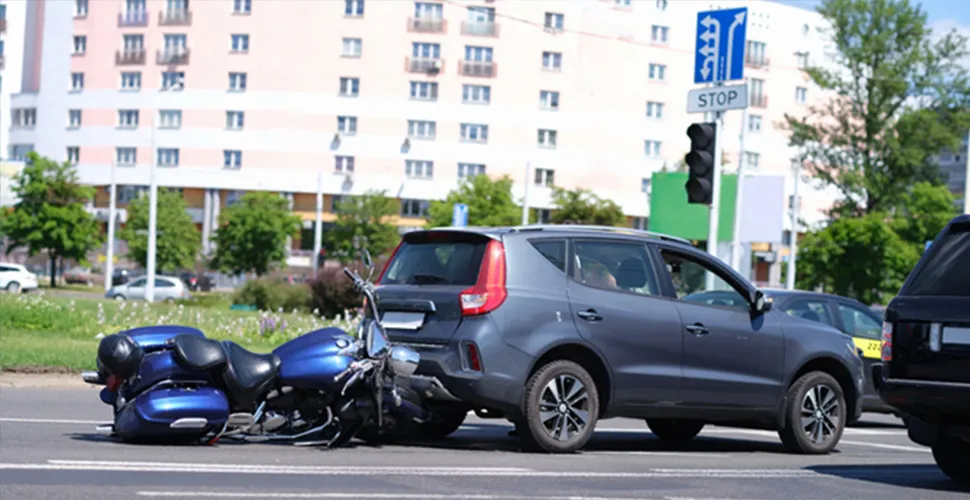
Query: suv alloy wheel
[
  {"x": 814, "y": 414},
  {"x": 560, "y": 408}
]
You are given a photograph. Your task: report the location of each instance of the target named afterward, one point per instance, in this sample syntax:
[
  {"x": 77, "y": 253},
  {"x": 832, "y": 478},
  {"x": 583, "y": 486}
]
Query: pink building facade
[{"x": 408, "y": 97}]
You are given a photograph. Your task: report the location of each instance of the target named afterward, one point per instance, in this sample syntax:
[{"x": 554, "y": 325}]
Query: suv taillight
[
  {"x": 489, "y": 291},
  {"x": 887, "y": 341}
]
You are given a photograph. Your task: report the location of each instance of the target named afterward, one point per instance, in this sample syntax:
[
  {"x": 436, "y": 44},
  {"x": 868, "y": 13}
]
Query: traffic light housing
[{"x": 700, "y": 163}]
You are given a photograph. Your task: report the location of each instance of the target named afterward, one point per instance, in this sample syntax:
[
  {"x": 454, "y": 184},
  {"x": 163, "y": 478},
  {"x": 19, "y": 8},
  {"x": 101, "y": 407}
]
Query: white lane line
[
  {"x": 354, "y": 494},
  {"x": 897, "y": 447},
  {"x": 52, "y": 421}
]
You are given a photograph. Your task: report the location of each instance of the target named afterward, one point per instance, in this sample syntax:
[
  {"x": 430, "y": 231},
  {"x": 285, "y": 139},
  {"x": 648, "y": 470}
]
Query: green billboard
[{"x": 671, "y": 214}]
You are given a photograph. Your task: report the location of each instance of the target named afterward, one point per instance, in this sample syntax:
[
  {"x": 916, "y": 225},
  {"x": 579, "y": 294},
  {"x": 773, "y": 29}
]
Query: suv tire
[
  {"x": 810, "y": 427},
  {"x": 443, "y": 422},
  {"x": 552, "y": 393},
  {"x": 676, "y": 432},
  {"x": 953, "y": 458}
]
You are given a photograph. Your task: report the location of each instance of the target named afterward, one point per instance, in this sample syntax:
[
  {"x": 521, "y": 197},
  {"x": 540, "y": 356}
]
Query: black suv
[
  {"x": 925, "y": 370},
  {"x": 557, "y": 327}
]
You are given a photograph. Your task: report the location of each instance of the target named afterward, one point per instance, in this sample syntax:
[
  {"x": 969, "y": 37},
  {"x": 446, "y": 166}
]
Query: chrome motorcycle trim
[
  {"x": 280, "y": 437},
  {"x": 404, "y": 361},
  {"x": 92, "y": 377},
  {"x": 419, "y": 345},
  {"x": 189, "y": 423},
  {"x": 105, "y": 429}
]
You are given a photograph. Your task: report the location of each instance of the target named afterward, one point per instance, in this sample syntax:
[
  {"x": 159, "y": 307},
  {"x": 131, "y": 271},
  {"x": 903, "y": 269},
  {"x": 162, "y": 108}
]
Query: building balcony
[
  {"x": 427, "y": 65},
  {"x": 175, "y": 17},
  {"x": 427, "y": 25},
  {"x": 133, "y": 18},
  {"x": 758, "y": 101},
  {"x": 757, "y": 62},
  {"x": 479, "y": 29},
  {"x": 129, "y": 57},
  {"x": 482, "y": 69},
  {"x": 173, "y": 56},
  {"x": 3, "y": 25}
]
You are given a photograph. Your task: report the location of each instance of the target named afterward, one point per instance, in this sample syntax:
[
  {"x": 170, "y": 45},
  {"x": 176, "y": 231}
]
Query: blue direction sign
[
  {"x": 459, "y": 215},
  {"x": 719, "y": 52}
]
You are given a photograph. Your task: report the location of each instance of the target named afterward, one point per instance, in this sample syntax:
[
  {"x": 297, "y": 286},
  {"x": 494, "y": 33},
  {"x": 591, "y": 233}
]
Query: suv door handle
[
  {"x": 697, "y": 329},
  {"x": 589, "y": 315}
]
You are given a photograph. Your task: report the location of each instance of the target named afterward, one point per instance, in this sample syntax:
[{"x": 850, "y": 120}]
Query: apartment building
[
  {"x": 347, "y": 96},
  {"x": 12, "y": 24}
]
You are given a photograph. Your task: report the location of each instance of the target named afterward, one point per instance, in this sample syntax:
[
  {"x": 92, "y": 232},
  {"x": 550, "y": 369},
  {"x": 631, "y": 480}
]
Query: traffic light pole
[{"x": 713, "y": 220}]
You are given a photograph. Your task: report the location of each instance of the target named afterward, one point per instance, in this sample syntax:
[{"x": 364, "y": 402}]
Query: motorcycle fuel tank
[{"x": 313, "y": 360}]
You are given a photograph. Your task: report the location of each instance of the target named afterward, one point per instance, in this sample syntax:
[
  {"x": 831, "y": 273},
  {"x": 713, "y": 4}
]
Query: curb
[{"x": 43, "y": 380}]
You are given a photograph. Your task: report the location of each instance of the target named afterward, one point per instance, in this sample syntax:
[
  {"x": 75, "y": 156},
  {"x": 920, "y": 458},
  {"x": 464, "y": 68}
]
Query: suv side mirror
[{"x": 761, "y": 303}]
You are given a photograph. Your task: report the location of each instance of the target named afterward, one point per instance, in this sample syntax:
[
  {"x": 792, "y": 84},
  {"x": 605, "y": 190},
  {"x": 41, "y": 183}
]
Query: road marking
[
  {"x": 204, "y": 468},
  {"x": 52, "y": 421},
  {"x": 897, "y": 447},
  {"x": 354, "y": 494}
]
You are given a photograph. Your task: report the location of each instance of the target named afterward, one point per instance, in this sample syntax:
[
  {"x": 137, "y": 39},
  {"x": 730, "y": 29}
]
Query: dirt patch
[{"x": 43, "y": 377}]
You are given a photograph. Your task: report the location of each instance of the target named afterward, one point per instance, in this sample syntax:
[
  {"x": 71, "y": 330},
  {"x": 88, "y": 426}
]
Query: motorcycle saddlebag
[
  {"x": 119, "y": 355},
  {"x": 173, "y": 412}
]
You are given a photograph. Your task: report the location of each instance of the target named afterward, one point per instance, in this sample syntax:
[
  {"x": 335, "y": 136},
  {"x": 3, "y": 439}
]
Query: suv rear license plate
[
  {"x": 956, "y": 335},
  {"x": 398, "y": 320}
]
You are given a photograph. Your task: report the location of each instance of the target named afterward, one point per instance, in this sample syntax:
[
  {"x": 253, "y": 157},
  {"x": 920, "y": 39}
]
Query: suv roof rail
[{"x": 609, "y": 229}]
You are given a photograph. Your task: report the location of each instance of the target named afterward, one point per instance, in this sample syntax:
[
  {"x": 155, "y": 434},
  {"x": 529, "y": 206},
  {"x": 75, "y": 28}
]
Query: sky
[{"x": 942, "y": 14}]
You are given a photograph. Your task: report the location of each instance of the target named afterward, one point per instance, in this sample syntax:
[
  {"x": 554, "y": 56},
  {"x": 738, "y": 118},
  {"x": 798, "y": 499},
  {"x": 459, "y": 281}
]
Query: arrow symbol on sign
[
  {"x": 738, "y": 20},
  {"x": 707, "y": 36},
  {"x": 711, "y": 39}
]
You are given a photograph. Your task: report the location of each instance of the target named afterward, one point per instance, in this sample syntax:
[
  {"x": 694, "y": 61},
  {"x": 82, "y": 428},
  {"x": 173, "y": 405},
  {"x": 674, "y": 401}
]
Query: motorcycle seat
[
  {"x": 199, "y": 353},
  {"x": 248, "y": 375}
]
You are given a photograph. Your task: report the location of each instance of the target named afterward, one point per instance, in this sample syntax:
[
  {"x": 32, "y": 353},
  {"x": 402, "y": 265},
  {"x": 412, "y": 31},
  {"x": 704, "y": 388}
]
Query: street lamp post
[{"x": 112, "y": 213}]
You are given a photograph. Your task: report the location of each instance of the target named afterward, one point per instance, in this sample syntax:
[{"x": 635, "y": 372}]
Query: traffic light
[{"x": 700, "y": 163}]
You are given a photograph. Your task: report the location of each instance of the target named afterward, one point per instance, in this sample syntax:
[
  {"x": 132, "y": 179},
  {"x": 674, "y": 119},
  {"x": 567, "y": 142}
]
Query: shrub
[
  {"x": 334, "y": 293},
  {"x": 210, "y": 300},
  {"x": 268, "y": 294}
]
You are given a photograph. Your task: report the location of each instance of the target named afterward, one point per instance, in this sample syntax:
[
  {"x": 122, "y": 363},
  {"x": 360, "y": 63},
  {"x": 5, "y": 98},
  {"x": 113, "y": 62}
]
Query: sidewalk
[{"x": 44, "y": 380}]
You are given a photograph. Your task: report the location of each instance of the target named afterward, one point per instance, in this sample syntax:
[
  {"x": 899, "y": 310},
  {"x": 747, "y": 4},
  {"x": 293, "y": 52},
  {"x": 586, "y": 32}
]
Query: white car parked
[{"x": 15, "y": 278}]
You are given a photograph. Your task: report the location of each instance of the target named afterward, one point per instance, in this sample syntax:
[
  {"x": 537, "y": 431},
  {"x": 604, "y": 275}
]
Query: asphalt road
[{"x": 49, "y": 450}]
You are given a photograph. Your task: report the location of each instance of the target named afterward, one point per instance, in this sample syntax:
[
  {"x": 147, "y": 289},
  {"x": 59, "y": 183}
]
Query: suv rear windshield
[
  {"x": 438, "y": 260},
  {"x": 947, "y": 272}
]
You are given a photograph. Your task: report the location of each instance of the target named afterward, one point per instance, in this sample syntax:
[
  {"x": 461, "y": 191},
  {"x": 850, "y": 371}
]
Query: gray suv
[{"x": 556, "y": 327}]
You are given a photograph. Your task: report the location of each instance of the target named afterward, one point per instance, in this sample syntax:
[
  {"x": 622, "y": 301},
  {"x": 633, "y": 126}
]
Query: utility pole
[
  {"x": 318, "y": 225},
  {"x": 738, "y": 202},
  {"x": 793, "y": 243},
  {"x": 525, "y": 196},
  {"x": 109, "y": 266}
]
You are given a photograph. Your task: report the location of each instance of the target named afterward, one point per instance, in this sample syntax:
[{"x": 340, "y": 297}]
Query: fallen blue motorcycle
[{"x": 171, "y": 383}]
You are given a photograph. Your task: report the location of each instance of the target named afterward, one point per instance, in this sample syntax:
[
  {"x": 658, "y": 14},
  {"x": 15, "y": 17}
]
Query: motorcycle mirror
[
  {"x": 376, "y": 341},
  {"x": 365, "y": 259}
]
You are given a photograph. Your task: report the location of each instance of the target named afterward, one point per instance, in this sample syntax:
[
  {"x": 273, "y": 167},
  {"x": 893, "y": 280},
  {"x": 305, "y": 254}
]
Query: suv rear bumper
[{"x": 933, "y": 410}]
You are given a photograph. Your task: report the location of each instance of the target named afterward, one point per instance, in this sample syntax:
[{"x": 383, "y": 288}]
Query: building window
[
  {"x": 801, "y": 94},
  {"x": 173, "y": 80},
  {"x": 80, "y": 45},
  {"x": 242, "y": 6},
  {"x": 755, "y": 54},
  {"x": 419, "y": 169},
  {"x": 347, "y": 125},
  {"x": 233, "y": 197},
  {"x": 351, "y": 47},
  {"x": 549, "y": 99},
  {"x": 476, "y": 94},
  {"x": 169, "y": 118},
  {"x": 545, "y": 177},
  {"x": 74, "y": 118},
  {"x": 353, "y": 8},
  {"x": 547, "y": 138},
  {"x": 658, "y": 72},
  {"x": 652, "y": 148},
  {"x": 655, "y": 110},
  {"x": 754, "y": 123},
  {"x": 168, "y": 157},
  {"x": 237, "y": 82},
  {"x": 757, "y": 97},
  {"x": 469, "y": 170},
  {"x": 240, "y": 43},
  {"x": 77, "y": 82},
  {"x": 658, "y": 34},
  {"x": 18, "y": 152},
  {"x": 424, "y": 91},
  {"x": 80, "y": 8},
  {"x": 231, "y": 158},
  {"x": 128, "y": 118},
  {"x": 751, "y": 160},
  {"x": 126, "y": 157},
  {"x": 131, "y": 80},
  {"x": 414, "y": 208},
  {"x": 622, "y": 3},
  {"x": 73, "y": 155},
  {"x": 133, "y": 44},
  {"x": 24, "y": 117},
  {"x": 645, "y": 185},
  {"x": 474, "y": 132},
  {"x": 552, "y": 61},
  {"x": 554, "y": 21},
  {"x": 421, "y": 129},
  {"x": 235, "y": 120},
  {"x": 801, "y": 59},
  {"x": 343, "y": 164},
  {"x": 349, "y": 87}
]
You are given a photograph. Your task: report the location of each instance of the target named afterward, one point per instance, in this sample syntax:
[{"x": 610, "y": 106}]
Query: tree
[
  {"x": 368, "y": 219},
  {"x": 178, "y": 242},
  {"x": 897, "y": 99},
  {"x": 490, "y": 203},
  {"x": 581, "y": 206},
  {"x": 860, "y": 257},
  {"x": 252, "y": 233},
  {"x": 923, "y": 212},
  {"x": 50, "y": 214}
]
